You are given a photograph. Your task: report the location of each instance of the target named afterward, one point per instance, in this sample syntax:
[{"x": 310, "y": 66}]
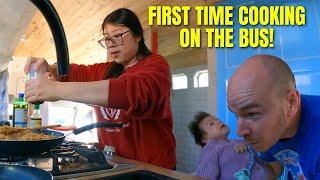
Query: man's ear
[{"x": 293, "y": 101}]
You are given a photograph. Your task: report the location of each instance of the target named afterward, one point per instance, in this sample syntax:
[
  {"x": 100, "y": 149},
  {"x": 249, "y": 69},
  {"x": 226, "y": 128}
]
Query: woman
[{"x": 133, "y": 89}]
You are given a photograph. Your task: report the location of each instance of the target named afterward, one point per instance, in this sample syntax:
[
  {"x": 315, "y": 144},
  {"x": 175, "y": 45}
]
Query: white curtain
[{"x": 4, "y": 95}]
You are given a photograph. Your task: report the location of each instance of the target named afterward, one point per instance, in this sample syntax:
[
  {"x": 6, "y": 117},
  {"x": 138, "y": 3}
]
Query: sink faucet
[{"x": 51, "y": 15}]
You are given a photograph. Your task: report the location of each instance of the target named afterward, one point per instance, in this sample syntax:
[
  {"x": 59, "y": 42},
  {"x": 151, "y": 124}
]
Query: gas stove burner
[
  {"x": 59, "y": 150},
  {"x": 13, "y": 159},
  {"x": 13, "y": 163},
  {"x": 63, "y": 152},
  {"x": 45, "y": 163},
  {"x": 68, "y": 159},
  {"x": 73, "y": 143},
  {"x": 66, "y": 153},
  {"x": 89, "y": 146},
  {"x": 78, "y": 144},
  {"x": 65, "y": 144}
]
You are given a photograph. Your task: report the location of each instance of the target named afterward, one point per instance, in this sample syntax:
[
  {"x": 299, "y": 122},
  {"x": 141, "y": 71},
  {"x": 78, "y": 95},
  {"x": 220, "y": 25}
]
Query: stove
[{"x": 70, "y": 160}]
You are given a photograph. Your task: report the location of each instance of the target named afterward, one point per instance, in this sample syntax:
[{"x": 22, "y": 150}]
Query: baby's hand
[{"x": 240, "y": 148}]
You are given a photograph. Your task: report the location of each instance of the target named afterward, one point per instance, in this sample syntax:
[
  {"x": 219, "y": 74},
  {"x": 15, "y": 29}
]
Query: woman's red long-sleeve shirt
[{"x": 140, "y": 97}]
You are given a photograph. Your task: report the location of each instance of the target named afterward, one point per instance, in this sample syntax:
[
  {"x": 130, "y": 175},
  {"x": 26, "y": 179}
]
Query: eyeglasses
[{"x": 113, "y": 41}]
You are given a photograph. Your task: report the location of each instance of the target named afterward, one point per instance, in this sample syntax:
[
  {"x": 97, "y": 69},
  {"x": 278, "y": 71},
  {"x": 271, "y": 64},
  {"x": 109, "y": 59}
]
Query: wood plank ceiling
[{"x": 82, "y": 19}]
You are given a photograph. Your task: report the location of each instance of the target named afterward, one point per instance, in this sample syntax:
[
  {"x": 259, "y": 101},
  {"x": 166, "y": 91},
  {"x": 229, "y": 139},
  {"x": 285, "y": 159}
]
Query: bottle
[
  {"x": 20, "y": 112},
  {"x": 35, "y": 118},
  {"x": 32, "y": 74}
]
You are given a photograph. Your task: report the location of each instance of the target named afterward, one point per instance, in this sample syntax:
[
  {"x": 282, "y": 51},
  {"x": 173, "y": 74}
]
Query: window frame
[
  {"x": 180, "y": 75},
  {"x": 196, "y": 78}
]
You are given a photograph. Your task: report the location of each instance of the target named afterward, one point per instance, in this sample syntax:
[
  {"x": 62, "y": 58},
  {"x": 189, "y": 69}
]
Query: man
[{"x": 274, "y": 118}]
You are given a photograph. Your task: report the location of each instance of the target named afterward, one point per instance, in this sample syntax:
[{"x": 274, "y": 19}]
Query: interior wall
[
  {"x": 212, "y": 89},
  {"x": 185, "y": 103},
  {"x": 188, "y": 58},
  {"x": 17, "y": 76}
]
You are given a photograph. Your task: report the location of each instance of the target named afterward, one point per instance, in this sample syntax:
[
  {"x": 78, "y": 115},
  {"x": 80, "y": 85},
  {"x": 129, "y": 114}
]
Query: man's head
[
  {"x": 263, "y": 96},
  {"x": 206, "y": 127}
]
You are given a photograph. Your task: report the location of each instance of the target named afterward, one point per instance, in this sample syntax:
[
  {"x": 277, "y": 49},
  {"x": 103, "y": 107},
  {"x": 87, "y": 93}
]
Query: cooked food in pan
[{"x": 8, "y": 133}]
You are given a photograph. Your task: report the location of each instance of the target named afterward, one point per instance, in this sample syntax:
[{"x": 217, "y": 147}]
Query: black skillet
[{"x": 27, "y": 148}]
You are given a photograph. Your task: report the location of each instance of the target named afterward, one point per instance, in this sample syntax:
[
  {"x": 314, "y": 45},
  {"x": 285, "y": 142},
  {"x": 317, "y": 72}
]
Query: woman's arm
[
  {"x": 42, "y": 89},
  {"x": 141, "y": 93},
  {"x": 77, "y": 73}
]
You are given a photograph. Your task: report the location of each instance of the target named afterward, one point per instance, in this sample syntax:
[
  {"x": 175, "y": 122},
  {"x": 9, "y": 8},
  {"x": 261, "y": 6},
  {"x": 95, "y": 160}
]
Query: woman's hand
[
  {"x": 37, "y": 64},
  {"x": 41, "y": 89}
]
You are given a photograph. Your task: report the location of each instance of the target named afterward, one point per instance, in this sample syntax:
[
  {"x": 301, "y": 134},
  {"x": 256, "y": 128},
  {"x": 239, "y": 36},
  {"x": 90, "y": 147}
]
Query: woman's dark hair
[
  {"x": 194, "y": 127},
  {"x": 129, "y": 19}
]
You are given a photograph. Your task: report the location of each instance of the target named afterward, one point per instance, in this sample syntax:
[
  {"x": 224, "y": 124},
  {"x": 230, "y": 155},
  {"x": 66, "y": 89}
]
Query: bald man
[{"x": 274, "y": 118}]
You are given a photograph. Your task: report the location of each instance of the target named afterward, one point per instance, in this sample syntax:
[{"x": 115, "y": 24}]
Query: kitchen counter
[{"x": 135, "y": 166}]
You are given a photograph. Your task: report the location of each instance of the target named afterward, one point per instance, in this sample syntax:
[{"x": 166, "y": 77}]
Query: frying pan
[
  {"x": 8, "y": 172},
  {"x": 26, "y": 148}
]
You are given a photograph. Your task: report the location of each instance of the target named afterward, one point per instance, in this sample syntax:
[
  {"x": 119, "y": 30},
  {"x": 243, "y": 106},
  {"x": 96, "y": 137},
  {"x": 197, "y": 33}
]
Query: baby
[{"x": 222, "y": 158}]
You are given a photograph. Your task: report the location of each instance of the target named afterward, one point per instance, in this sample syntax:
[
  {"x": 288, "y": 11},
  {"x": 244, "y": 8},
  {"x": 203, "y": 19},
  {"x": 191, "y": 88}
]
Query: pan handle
[{"x": 97, "y": 125}]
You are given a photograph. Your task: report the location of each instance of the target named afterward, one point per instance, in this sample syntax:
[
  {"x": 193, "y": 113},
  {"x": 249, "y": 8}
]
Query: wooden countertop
[{"x": 141, "y": 166}]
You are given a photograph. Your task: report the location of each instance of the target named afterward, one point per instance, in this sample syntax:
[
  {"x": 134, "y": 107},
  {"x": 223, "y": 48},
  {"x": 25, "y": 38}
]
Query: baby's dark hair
[{"x": 194, "y": 127}]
